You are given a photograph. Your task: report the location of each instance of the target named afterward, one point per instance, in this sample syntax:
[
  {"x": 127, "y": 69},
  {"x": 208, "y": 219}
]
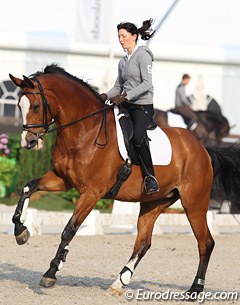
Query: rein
[
  {"x": 103, "y": 124},
  {"x": 103, "y": 110},
  {"x": 46, "y": 125}
]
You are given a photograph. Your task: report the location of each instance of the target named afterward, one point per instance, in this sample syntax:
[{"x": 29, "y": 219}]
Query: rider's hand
[
  {"x": 118, "y": 99},
  {"x": 104, "y": 96}
]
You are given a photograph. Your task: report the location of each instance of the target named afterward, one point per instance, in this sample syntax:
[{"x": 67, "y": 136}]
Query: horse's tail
[{"x": 226, "y": 168}]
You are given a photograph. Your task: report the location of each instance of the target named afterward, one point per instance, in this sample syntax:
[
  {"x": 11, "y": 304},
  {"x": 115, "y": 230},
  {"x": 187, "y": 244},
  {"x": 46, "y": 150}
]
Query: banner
[{"x": 94, "y": 21}]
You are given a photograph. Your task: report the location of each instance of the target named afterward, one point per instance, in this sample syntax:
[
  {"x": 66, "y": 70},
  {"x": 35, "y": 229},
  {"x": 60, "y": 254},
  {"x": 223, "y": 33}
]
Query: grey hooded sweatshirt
[{"x": 135, "y": 77}]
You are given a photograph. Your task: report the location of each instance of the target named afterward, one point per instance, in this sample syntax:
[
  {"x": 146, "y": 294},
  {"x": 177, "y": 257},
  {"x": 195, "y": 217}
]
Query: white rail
[{"x": 42, "y": 222}]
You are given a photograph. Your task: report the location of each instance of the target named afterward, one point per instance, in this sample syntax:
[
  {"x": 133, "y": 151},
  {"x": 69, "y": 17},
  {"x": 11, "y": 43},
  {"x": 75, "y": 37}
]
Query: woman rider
[{"x": 134, "y": 90}]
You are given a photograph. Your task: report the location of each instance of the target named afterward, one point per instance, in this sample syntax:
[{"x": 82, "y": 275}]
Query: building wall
[{"x": 219, "y": 80}]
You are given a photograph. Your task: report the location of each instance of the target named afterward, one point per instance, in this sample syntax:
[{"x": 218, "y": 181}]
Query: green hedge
[{"x": 33, "y": 164}]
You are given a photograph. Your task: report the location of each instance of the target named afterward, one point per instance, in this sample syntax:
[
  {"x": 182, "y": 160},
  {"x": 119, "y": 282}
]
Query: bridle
[
  {"x": 46, "y": 125},
  {"x": 46, "y": 109}
]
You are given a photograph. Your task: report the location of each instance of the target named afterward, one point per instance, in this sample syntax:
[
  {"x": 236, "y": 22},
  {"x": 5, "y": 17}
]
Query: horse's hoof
[
  {"x": 47, "y": 282},
  {"x": 116, "y": 292},
  {"x": 23, "y": 237},
  {"x": 190, "y": 298}
]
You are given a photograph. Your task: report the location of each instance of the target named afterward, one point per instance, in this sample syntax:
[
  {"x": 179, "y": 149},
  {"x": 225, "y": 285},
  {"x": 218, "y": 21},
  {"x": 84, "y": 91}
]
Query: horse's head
[{"x": 36, "y": 112}]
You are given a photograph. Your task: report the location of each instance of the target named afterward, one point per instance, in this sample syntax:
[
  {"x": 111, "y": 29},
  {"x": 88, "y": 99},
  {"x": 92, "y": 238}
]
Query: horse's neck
[
  {"x": 77, "y": 107},
  {"x": 75, "y": 103}
]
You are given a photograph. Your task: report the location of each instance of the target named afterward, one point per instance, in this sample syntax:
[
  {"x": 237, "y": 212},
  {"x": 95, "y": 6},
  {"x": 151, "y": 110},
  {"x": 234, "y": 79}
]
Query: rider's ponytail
[{"x": 145, "y": 31}]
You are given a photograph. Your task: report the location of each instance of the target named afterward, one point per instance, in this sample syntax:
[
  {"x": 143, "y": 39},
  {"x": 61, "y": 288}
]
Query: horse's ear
[
  {"x": 16, "y": 81},
  {"x": 28, "y": 82}
]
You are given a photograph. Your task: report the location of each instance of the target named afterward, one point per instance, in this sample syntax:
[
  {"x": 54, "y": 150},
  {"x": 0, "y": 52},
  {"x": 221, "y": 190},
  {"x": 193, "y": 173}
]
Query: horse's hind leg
[
  {"x": 198, "y": 221},
  {"x": 48, "y": 182},
  {"x": 149, "y": 212}
]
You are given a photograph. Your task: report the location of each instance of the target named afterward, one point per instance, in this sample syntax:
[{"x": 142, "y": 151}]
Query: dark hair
[
  {"x": 185, "y": 76},
  {"x": 145, "y": 31}
]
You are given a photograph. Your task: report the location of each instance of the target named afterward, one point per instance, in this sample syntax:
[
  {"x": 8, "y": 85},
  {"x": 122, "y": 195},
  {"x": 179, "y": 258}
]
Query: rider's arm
[
  {"x": 181, "y": 97},
  {"x": 118, "y": 86}
]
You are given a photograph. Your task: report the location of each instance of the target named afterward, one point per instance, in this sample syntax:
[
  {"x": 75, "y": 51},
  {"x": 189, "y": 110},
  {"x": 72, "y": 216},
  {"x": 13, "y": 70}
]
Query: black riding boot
[{"x": 145, "y": 160}]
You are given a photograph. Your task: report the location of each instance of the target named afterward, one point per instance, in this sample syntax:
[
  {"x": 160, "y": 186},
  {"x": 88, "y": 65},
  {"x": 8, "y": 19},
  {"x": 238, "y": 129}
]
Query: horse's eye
[{"x": 35, "y": 107}]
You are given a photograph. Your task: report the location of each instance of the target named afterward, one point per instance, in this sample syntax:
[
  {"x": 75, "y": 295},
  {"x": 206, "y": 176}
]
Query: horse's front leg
[
  {"x": 84, "y": 206},
  {"x": 48, "y": 182}
]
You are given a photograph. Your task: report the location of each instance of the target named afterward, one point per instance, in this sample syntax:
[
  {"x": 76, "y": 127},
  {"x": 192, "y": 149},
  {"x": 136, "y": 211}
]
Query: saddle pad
[
  {"x": 160, "y": 146},
  {"x": 175, "y": 120}
]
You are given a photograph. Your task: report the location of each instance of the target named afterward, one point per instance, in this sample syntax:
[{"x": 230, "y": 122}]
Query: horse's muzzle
[{"x": 34, "y": 142}]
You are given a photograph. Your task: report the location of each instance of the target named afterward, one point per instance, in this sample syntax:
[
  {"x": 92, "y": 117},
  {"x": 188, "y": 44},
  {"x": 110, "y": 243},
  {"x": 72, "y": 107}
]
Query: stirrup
[{"x": 151, "y": 185}]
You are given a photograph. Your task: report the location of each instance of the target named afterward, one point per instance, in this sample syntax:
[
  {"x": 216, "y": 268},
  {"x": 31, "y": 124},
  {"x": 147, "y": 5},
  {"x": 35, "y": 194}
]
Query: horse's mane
[{"x": 56, "y": 69}]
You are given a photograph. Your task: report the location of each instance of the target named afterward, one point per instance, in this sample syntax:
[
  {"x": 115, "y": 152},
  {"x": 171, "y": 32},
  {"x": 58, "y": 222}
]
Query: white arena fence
[{"x": 122, "y": 220}]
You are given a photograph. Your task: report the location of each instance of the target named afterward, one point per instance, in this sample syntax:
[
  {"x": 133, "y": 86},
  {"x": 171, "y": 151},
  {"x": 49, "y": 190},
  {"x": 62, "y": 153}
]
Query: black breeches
[{"x": 141, "y": 116}]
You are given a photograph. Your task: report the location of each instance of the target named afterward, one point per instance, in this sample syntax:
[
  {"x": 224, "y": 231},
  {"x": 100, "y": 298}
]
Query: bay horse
[
  {"x": 211, "y": 129},
  {"x": 86, "y": 157}
]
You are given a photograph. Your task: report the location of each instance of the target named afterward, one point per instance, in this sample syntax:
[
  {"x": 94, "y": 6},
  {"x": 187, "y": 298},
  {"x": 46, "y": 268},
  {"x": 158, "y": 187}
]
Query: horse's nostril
[{"x": 32, "y": 142}]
